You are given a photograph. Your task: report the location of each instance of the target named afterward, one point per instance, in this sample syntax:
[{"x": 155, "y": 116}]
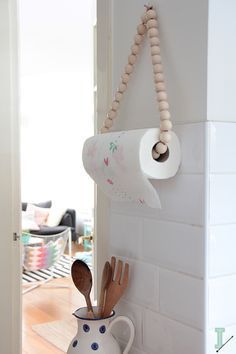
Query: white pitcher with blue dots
[{"x": 94, "y": 335}]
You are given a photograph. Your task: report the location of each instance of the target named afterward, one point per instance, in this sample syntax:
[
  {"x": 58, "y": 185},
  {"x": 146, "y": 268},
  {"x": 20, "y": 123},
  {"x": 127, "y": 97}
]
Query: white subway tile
[
  {"x": 222, "y": 295},
  {"x": 182, "y": 298},
  {"x": 133, "y": 312},
  {"x": 182, "y": 200},
  {"x": 229, "y": 348},
  {"x": 192, "y": 140},
  {"x": 222, "y": 246},
  {"x": 143, "y": 285},
  {"x": 125, "y": 235},
  {"x": 165, "y": 244},
  {"x": 133, "y": 350},
  {"x": 222, "y": 199},
  {"x": 222, "y": 147},
  {"x": 137, "y": 351},
  {"x": 165, "y": 336}
]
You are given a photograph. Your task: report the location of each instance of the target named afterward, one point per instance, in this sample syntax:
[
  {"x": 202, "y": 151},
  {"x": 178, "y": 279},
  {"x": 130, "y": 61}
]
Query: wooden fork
[{"x": 117, "y": 286}]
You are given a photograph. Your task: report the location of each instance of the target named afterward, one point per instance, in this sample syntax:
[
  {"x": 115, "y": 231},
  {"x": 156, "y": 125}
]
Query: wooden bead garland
[
  {"x": 154, "y": 41},
  {"x": 149, "y": 25},
  {"x": 151, "y": 14},
  {"x": 163, "y": 105},
  {"x": 135, "y": 49},
  {"x": 132, "y": 59},
  {"x": 160, "y": 86},
  {"x": 152, "y": 24},
  {"x": 158, "y": 68},
  {"x": 162, "y": 96},
  {"x": 111, "y": 114},
  {"x": 141, "y": 29},
  {"x": 125, "y": 78},
  {"x": 129, "y": 68},
  {"x": 108, "y": 123},
  {"x": 118, "y": 96},
  {"x": 153, "y": 32},
  {"x": 115, "y": 105},
  {"x": 155, "y": 50},
  {"x": 138, "y": 39}
]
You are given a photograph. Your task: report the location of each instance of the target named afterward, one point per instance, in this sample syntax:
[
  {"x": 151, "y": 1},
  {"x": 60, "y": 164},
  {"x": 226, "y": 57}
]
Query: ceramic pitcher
[{"x": 94, "y": 335}]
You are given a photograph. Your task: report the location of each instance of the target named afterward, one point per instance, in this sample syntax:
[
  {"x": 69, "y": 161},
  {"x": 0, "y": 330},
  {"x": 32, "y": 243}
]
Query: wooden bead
[
  {"x": 153, "y": 32},
  {"x": 151, "y": 14},
  {"x": 155, "y": 154},
  {"x": 152, "y": 23},
  {"x": 162, "y": 96},
  {"x": 122, "y": 87},
  {"x": 104, "y": 130},
  {"x": 129, "y": 69},
  {"x": 115, "y": 105},
  {"x": 158, "y": 68},
  {"x": 132, "y": 59},
  {"x": 156, "y": 59},
  {"x": 138, "y": 39},
  {"x": 165, "y": 137},
  {"x": 160, "y": 148},
  {"x": 154, "y": 41},
  {"x": 135, "y": 49},
  {"x": 125, "y": 78},
  {"x": 163, "y": 106},
  {"x": 144, "y": 18},
  {"x": 108, "y": 123},
  {"x": 111, "y": 114},
  {"x": 141, "y": 29},
  {"x": 165, "y": 115},
  {"x": 160, "y": 86},
  {"x": 165, "y": 125},
  {"x": 155, "y": 50},
  {"x": 118, "y": 96},
  {"x": 158, "y": 77}
]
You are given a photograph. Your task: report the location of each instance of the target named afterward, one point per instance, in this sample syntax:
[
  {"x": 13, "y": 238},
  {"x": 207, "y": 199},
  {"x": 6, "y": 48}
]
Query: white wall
[
  {"x": 221, "y": 174},
  {"x": 221, "y": 61},
  {"x": 56, "y": 100},
  {"x": 165, "y": 248}
]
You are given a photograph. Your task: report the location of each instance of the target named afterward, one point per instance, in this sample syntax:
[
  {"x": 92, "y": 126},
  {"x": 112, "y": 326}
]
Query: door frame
[
  {"x": 103, "y": 66},
  {"x": 103, "y": 99},
  {"x": 10, "y": 335}
]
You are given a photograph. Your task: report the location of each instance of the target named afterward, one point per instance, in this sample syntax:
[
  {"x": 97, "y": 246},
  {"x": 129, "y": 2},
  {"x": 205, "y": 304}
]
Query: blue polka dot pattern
[
  {"x": 95, "y": 346},
  {"x": 102, "y": 329},
  {"x": 86, "y": 328},
  {"x": 75, "y": 343}
]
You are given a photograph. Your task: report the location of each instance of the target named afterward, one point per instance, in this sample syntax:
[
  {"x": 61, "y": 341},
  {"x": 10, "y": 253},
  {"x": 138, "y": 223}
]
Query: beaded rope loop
[{"x": 148, "y": 25}]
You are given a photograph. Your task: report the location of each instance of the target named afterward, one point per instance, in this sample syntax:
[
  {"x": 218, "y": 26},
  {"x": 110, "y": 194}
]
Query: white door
[{"x": 10, "y": 269}]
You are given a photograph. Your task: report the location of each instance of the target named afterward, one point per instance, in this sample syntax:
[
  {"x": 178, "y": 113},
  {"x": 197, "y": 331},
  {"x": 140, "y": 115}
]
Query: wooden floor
[{"x": 46, "y": 304}]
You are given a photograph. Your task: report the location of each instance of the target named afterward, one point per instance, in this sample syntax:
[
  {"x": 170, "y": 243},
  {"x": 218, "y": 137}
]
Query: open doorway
[{"x": 57, "y": 115}]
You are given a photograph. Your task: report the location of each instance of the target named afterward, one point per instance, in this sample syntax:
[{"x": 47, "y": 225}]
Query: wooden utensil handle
[
  {"x": 101, "y": 303},
  {"x": 89, "y": 305}
]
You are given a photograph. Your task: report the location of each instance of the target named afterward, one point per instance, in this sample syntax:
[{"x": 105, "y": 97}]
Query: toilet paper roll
[{"x": 121, "y": 164}]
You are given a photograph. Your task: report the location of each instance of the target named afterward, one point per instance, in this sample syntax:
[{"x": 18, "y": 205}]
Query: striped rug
[{"x": 60, "y": 270}]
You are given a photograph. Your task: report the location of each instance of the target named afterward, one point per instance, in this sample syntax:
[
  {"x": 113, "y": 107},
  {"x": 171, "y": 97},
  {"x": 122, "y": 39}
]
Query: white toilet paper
[{"x": 121, "y": 163}]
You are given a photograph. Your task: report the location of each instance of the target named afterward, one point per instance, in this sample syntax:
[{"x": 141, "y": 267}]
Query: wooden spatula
[
  {"x": 106, "y": 279},
  {"x": 117, "y": 287}
]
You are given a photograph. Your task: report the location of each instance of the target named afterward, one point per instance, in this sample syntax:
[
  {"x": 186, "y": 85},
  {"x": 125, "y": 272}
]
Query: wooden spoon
[
  {"x": 106, "y": 279},
  {"x": 82, "y": 279},
  {"x": 116, "y": 288}
]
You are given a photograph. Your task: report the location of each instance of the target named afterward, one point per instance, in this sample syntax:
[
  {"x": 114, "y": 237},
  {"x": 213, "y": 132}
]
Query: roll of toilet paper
[{"x": 121, "y": 164}]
